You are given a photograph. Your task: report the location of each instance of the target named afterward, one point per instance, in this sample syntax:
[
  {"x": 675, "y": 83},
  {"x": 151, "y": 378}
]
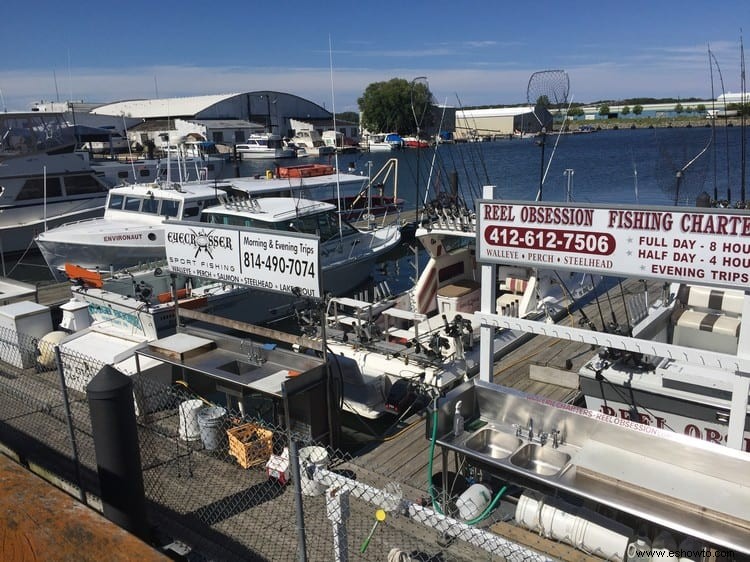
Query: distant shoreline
[{"x": 656, "y": 122}]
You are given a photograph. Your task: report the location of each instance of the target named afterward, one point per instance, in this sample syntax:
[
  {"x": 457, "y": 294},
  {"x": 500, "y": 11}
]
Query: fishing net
[
  {"x": 421, "y": 100},
  {"x": 547, "y": 89}
]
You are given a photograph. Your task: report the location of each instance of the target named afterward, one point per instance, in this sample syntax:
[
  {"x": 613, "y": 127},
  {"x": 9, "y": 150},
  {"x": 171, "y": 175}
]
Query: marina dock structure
[{"x": 209, "y": 501}]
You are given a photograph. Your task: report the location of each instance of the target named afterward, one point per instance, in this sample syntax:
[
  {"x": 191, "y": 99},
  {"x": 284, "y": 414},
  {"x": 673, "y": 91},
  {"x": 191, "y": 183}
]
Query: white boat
[
  {"x": 264, "y": 145},
  {"x": 311, "y": 142},
  {"x": 384, "y": 142},
  {"x": 672, "y": 392},
  {"x": 131, "y": 230},
  {"x": 41, "y": 191},
  {"x": 46, "y": 181},
  {"x": 428, "y": 334},
  {"x": 140, "y": 300},
  {"x": 348, "y": 254}
]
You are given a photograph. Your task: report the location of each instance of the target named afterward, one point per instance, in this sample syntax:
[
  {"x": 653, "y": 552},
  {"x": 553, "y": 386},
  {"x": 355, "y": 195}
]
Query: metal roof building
[
  {"x": 475, "y": 124},
  {"x": 224, "y": 118}
]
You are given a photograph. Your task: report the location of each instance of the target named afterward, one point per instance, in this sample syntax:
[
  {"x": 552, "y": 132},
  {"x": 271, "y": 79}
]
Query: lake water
[{"x": 615, "y": 166}]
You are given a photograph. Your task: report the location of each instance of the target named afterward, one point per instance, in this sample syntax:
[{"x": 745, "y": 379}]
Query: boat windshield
[
  {"x": 325, "y": 225},
  {"x": 148, "y": 205}
]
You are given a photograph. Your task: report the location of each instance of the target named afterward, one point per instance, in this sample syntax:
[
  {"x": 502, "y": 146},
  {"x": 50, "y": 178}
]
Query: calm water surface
[{"x": 620, "y": 166}]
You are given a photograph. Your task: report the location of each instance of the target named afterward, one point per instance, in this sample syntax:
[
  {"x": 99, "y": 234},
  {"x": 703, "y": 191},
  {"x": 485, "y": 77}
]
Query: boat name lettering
[
  {"x": 203, "y": 240},
  {"x": 622, "y": 414},
  {"x": 557, "y": 215},
  {"x": 121, "y": 237},
  {"x": 117, "y": 317},
  {"x": 497, "y": 212}
]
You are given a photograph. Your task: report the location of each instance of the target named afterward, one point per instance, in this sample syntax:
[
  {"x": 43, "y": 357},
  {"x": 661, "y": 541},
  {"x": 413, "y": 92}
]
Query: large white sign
[
  {"x": 705, "y": 246},
  {"x": 268, "y": 259}
]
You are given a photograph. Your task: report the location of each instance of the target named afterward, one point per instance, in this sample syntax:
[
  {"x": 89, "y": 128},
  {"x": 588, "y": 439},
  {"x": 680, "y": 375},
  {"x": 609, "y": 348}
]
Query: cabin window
[
  {"x": 150, "y": 205},
  {"x": 170, "y": 208},
  {"x": 122, "y": 175},
  {"x": 451, "y": 271},
  {"x": 132, "y": 203},
  {"x": 144, "y": 172},
  {"x": 115, "y": 201},
  {"x": 218, "y": 136},
  {"x": 191, "y": 211},
  {"x": 34, "y": 189},
  {"x": 83, "y": 184}
]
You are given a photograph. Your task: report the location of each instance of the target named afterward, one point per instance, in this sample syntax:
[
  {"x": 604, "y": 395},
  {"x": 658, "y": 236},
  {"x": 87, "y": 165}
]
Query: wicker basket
[{"x": 250, "y": 444}]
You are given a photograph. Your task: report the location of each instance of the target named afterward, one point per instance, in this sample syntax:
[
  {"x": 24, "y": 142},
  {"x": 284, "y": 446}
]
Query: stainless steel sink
[
  {"x": 538, "y": 459},
  {"x": 492, "y": 443},
  {"x": 237, "y": 367}
]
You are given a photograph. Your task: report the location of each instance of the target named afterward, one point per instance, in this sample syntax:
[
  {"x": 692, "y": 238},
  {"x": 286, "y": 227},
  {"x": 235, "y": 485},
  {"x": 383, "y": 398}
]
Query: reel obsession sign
[
  {"x": 692, "y": 245},
  {"x": 268, "y": 259}
]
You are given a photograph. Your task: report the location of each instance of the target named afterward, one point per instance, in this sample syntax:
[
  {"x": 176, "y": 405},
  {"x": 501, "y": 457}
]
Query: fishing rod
[
  {"x": 598, "y": 305},
  {"x": 585, "y": 320},
  {"x": 615, "y": 323}
]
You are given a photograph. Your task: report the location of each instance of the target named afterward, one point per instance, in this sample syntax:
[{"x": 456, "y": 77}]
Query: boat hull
[{"x": 692, "y": 418}]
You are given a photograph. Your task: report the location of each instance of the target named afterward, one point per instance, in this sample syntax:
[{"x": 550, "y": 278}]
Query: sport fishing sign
[
  {"x": 694, "y": 245},
  {"x": 267, "y": 259}
]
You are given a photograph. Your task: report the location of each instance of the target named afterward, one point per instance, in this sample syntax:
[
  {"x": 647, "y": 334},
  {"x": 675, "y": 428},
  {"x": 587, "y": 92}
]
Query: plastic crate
[{"x": 250, "y": 444}]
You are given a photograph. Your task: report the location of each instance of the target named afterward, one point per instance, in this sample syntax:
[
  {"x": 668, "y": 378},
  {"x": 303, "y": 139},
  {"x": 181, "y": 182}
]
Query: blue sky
[{"x": 472, "y": 52}]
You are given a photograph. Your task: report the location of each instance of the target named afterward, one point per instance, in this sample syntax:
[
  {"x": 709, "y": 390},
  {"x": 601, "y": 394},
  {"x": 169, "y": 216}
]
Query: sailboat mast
[{"x": 336, "y": 153}]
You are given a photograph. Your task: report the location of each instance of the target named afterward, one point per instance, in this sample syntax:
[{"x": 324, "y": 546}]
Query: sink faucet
[
  {"x": 531, "y": 429},
  {"x": 254, "y": 354},
  {"x": 555, "y": 438}
]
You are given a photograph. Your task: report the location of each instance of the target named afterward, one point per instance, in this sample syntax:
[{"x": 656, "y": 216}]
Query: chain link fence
[{"x": 223, "y": 484}]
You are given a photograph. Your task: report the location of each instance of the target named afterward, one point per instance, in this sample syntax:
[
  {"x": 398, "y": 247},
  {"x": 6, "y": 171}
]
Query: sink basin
[
  {"x": 492, "y": 443},
  {"x": 535, "y": 458},
  {"x": 237, "y": 367}
]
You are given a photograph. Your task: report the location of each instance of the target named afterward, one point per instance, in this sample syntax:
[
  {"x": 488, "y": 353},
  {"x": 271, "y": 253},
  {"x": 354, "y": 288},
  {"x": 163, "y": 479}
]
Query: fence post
[
  {"x": 297, "y": 483},
  {"x": 118, "y": 457},
  {"x": 71, "y": 427},
  {"x": 337, "y": 510}
]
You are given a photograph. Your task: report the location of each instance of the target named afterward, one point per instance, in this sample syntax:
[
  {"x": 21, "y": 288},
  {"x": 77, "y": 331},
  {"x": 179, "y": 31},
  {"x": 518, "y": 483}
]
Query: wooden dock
[{"x": 543, "y": 366}]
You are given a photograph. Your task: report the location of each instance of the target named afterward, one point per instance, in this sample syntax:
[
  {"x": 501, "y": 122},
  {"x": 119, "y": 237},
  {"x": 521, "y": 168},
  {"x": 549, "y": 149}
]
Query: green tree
[
  {"x": 349, "y": 116},
  {"x": 637, "y": 109},
  {"x": 678, "y": 108},
  {"x": 625, "y": 110},
  {"x": 576, "y": 111},
  {"x": 700, "y": 108},
  {"x": 387, "y": 106},
  {"x": 604, "y": 109}
]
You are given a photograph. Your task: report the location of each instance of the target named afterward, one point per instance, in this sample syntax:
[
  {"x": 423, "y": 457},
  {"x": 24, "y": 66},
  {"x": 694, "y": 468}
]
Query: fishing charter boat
[
  {"x": 672, "y": 392},
  {"x": 428, "y": 335},
  {"x": 131, "y": 230}
]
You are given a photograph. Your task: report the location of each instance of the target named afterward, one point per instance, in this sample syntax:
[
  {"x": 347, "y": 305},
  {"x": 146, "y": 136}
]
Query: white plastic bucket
[
  {"x": 556, "y": 523},
  {"x": 189, "y": 430},
  {"x": 472, "y": 503},
  {"x": 317, "y": 456}
]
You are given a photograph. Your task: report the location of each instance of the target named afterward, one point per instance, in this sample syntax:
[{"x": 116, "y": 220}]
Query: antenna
[{"x": 57, "y": 92}]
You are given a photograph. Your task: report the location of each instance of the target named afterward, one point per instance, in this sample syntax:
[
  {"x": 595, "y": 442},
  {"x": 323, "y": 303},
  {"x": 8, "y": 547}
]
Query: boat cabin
[
  {"x": 282, "y": 213},
  {"x": 159, "y": 202}
]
